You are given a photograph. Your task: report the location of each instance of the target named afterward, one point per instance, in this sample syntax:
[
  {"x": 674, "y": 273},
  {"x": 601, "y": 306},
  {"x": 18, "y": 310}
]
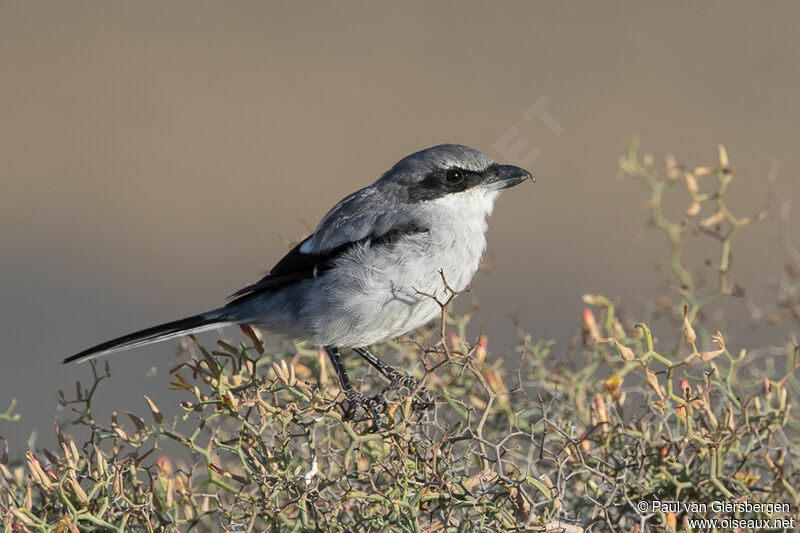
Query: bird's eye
[{"x": 453, "y": 175}]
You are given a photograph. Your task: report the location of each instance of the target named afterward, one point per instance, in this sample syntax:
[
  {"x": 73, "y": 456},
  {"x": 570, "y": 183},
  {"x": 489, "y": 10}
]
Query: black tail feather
[{"x": 170, "y": 330}]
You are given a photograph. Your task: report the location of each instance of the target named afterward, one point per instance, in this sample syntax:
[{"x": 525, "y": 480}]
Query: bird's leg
[
  {"x": 398, "y": 379},
  {"x": 374, "y": 405}
]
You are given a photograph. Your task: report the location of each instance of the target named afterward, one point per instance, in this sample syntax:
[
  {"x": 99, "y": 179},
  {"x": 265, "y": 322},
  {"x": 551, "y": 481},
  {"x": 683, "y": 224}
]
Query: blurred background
[{"x": 155, "y": 157}]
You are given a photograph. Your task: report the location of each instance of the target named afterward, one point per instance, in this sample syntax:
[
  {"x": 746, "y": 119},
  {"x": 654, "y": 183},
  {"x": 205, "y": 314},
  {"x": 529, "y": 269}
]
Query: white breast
[{"x": 378, "y": 296}]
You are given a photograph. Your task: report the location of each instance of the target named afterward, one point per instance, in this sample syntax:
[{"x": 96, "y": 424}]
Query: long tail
[{"x": 170, "y": 330}]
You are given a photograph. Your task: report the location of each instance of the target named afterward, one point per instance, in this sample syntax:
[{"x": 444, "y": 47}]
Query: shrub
[{"x": 531, "y": 442}]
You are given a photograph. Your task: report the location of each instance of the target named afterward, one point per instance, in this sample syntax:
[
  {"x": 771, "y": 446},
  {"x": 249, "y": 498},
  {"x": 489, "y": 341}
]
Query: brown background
[{"x": 154, "y": 157}]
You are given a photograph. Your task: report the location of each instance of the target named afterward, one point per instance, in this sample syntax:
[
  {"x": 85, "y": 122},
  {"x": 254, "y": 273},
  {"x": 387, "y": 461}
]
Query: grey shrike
[{"x": 368, "y": 271}]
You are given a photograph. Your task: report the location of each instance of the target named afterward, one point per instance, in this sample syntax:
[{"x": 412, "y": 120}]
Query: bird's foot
[
  {"x": 373, "y": 405},
  {"x": 408, "y": 385}
]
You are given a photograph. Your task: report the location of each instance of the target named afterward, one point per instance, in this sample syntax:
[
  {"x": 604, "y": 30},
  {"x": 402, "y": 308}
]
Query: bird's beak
[{"x": 499, "y": 177}]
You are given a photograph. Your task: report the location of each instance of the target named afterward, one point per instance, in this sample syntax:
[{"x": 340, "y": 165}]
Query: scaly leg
[
  {"x": 374, "y": 406},
  {"x": 398, "y": 379}
]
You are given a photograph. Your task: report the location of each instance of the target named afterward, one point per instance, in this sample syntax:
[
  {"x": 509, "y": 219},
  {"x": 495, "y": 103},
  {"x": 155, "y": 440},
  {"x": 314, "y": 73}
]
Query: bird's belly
[{"x": 389, "y": 295}]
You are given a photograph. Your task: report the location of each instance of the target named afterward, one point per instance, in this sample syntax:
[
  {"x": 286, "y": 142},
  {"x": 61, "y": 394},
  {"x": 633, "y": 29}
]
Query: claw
[
  {"x": 354, "y": 399},
  {"x": 373, "y": 405},
  {"x": 398, "y": 381},
  {"x": 422, "y": 400}
]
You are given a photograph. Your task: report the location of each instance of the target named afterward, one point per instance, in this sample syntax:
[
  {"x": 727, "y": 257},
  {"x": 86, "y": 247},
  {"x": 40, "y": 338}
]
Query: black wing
[{"x": 296, "y": 265}]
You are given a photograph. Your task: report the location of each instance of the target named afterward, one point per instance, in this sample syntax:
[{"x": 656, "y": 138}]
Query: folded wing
[{"x": 367, "y": 222}]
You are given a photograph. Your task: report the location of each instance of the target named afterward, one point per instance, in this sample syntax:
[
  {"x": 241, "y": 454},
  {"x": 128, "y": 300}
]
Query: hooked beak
[{"x": 499, "y": 177}]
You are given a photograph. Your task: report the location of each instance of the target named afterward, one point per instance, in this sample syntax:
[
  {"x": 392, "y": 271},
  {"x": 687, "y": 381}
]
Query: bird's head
[{"x": 451, "y": 169}]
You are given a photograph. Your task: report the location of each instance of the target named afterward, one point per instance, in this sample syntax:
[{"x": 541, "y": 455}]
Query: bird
[{"x": 374, "y": 268}]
